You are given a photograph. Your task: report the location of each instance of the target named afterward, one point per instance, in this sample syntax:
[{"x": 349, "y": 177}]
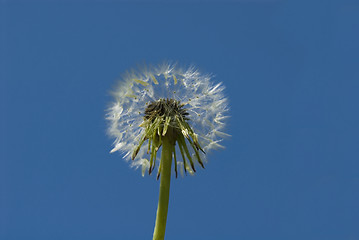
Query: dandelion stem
[{"x": 166, "y": 162}]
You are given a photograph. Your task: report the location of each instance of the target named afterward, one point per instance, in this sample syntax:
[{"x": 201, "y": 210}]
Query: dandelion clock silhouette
[{"x": 164, "y": 116}]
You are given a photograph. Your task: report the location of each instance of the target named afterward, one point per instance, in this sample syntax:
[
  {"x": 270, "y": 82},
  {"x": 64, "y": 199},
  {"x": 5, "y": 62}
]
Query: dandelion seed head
[{"x": 155, "y": 99}]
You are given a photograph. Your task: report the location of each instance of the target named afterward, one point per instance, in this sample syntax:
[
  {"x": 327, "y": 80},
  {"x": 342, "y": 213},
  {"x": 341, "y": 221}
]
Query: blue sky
[{"x": 289, "y": 171}]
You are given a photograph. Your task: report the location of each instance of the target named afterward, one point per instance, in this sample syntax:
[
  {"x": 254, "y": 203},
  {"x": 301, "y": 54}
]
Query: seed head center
[{"x": 165, "y": 108}]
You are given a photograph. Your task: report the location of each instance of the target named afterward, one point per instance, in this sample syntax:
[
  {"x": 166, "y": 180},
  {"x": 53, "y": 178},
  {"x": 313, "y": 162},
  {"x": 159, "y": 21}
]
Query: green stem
[{"x": 166, "y": 162}]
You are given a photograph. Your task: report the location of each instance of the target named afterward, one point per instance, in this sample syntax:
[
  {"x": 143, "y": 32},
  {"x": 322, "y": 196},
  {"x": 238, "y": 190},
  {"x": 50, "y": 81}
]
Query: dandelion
[{"x": 162, "y": 112}]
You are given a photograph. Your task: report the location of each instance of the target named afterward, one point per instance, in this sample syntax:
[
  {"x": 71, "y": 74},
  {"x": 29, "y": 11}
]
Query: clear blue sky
[{"x": 289, "y": 171}]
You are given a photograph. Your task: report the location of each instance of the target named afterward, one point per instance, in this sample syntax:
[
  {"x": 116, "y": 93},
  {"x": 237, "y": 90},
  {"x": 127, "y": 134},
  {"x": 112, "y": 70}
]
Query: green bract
[{"x": 167, "y": 116}]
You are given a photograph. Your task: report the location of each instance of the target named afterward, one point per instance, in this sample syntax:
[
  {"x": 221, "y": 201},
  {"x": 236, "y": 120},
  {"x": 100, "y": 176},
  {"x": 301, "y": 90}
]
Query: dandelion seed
[{"x": 183, "y": 100}]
